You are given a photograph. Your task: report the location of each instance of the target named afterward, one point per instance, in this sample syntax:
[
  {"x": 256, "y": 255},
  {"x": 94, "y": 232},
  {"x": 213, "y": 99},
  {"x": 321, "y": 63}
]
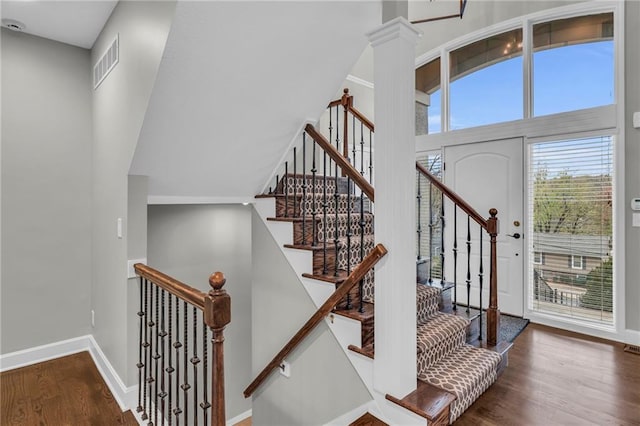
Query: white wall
[
  {"x": 189, "y": 243},
  {"x": 46, "y": 191},
  {"x": 323, "y": 383},
  {"x": 119, "y": 107}
]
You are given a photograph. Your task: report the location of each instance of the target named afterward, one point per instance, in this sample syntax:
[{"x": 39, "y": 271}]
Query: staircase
[{"x": 332, "y": 219}]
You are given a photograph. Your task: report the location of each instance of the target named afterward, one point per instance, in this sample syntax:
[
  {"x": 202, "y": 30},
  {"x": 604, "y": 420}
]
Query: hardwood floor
[
  {"x": 556, "y": 377},
  {"x": 60, "y": 392}
]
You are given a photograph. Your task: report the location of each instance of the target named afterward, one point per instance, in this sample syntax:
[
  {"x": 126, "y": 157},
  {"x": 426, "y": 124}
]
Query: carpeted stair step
[
  {"x": 298, "y": 205},
  {"x": 348, "y": 254},
  {"x": 438, "y": 337},
  {"x": 293, "y": 184},
  {"x": 427, "y": 302},
  {"x": 344, "y": 222},
  {"x": 466, "y": 372}
]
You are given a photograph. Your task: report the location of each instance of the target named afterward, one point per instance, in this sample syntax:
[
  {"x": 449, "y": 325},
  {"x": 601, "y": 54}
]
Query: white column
[{"x": 394, "y": 176}]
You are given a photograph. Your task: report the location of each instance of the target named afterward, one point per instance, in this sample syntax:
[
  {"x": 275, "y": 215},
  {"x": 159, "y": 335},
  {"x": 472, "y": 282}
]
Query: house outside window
[{"x": 577, "y": 262}]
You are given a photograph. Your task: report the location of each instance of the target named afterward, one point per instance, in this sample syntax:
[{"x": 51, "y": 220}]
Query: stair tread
[
  {"x": 427, "y": 401},
  {"x": 365, "y": 351},
  {"x": 462, "y": 370}
]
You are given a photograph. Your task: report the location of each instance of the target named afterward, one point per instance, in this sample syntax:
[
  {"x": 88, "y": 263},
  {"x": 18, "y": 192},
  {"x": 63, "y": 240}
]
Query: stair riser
[
  {"x": 344, "y": 226},
  {"x": 294, "y": 184},
  {"x": 297, "y": 205},
  {"x": 439, "y": 351},
  {"x": 345, "y": 261}
]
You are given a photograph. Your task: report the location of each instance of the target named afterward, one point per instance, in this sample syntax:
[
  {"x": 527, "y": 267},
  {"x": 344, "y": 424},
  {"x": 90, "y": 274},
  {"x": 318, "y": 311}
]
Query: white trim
[
  {"x": 43, "y": 353},
  {"x": 171, "y": 199},
  {"x": 123, "y": 395},
  {"x": 240, "y": 417},
  {"x": 577, "y": 326},
  {"x": 360, "y": 81},
  {"x": 632, "y": 337}
]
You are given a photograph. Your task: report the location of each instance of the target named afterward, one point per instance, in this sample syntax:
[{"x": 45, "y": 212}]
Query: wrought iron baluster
[
  {"x": 348, "y": 305},
  {"x": 150, "y": 326},
  {"x": 205, "y": 405},
  {"x": 455, "y": 257},
  {"x": 337, "y": 132},
  {"x": 442, "y": 224},
  {"x": 362, "y": 224},
  {"x": 330, "y": 137},
  {"x": 177, "y": 345},
  {"x": 370, "y": 157},
  {"x": 163, "y": 335},
  {"x": 170, "y": 368},
  {"x": 195, "y": 361},
  {"x": 156, "y": 357},
  {"x": 286, "y": 189},
  {"x": 303, "y": 204},
  {"x": 185, "y": 358},
  {"x": 480, "y": 278},
  {"x": 361, "y": 150},
  {"x": 145, "y": 344},
  {"x": 295, "y": 191},
  {"x": 325, "y": 271},
  {"x": 335, "y": 228},
  {"x": 140, "y": 364},
  {"x": 468, "y": 263},
  {"x": 430, "y": 232},
  {"x": 353, "y": 140},
  {"x": 314, "y": 211},
  {"x": 419, "y": 228}
]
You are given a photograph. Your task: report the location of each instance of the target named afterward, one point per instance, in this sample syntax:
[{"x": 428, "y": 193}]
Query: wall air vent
[{"x": 106, "y": 63}]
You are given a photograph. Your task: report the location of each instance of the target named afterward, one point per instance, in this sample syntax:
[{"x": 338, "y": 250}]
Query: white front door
[{"x": 488, "y": 175}]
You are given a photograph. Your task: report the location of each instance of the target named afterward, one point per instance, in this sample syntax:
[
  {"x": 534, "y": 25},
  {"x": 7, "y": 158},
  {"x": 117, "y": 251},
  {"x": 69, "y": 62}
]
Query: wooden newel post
[
  {"x": 493, "y": 313},
  {"x": 217, "y": 314}
]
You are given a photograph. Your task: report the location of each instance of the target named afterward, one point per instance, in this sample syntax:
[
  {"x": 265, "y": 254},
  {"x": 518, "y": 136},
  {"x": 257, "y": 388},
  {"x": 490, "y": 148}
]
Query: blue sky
[{"x": 564, "y": 79}]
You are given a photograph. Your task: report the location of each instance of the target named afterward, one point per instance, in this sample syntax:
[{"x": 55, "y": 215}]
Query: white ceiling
[
  {"x": 236, "y": 82},
  {"x": 73, "y": 22}
]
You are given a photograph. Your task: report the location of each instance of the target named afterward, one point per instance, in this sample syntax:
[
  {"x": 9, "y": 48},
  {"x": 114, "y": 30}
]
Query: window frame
[{"x": 581, "y": 266}]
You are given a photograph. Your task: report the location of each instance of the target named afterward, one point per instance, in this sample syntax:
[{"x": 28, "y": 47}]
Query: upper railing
[
  {"x": 354, "y": 278},
  {"x": 489, "y": 226},
  {"x": 169, "y": 367}
]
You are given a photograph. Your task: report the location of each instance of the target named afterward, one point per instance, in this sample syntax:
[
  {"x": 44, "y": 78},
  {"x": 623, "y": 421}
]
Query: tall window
[
  {"x": 486, "y": 81},
  {"x": 570, "y": 187},
  {"x": 573, "y": 64},
  {"x": 428, "y": 218}
]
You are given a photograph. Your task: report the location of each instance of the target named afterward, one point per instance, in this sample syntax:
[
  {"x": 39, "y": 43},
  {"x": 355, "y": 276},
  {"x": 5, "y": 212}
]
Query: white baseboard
[
  {"x": 632, "y": 337},
  {"x": 125, "y": 397},
  {"x": 43, "y": 353},
  {"x": 240, "y": 417}
]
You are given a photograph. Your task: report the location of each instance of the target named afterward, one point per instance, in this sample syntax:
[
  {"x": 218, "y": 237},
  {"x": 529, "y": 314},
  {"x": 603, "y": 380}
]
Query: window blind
[{"x": 571, "y": 213}]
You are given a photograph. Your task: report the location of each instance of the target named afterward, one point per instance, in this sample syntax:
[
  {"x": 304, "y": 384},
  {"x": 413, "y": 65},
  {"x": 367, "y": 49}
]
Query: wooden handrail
[
  {"x": 368, "y": 124},
  {"x": 344, "y": 164},
  {"x": 453, "y": 197},
  {"x": 183, "y": 291},
  {"x": 358, "y": 273}
]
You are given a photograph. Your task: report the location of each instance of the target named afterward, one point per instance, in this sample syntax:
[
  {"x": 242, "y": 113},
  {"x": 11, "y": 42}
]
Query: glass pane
[
  {"x": 428, "y": 81},
  {"x": 571, "y": 205},
  {"x": 486, "y": 81},
  {"x": 573, "y": 64},
  {"x": 428, "y": 220}
]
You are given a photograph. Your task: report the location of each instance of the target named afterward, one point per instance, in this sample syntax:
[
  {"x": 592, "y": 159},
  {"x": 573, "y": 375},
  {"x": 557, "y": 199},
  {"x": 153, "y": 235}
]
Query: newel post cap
[{"x": 217, "y": 281}]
